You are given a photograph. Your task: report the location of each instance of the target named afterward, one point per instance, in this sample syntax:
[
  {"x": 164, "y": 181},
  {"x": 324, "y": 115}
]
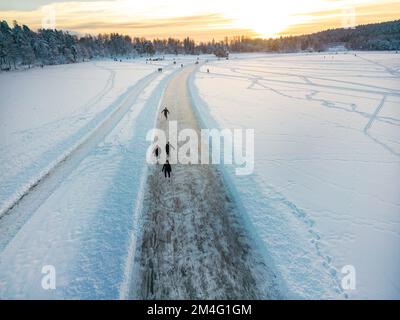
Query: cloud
[
  {"x": 201, "y": 27},
  {"x": 364, "y": 13},
  {"x": 198, "y": 21}
]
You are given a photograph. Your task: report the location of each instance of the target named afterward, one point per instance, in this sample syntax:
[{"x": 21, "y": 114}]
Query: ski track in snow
[{"x": 384, "y": 92}]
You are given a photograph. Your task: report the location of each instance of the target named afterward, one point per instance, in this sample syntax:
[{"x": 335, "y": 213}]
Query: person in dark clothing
[
  {"x": 165, "y": 112},
  {"x": 167, "y": 146},
  {"x": 157, "y": 152},
  {"x": 167, "y": 169}
]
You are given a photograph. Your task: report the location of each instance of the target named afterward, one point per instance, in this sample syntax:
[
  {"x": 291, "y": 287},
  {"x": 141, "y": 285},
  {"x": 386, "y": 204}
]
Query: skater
[
  {"x": 157, "y": 152},
  {"x": 165, "y": 112},
  {"x": 167, "y": 148},
  {"x": 167, "y": 169}
]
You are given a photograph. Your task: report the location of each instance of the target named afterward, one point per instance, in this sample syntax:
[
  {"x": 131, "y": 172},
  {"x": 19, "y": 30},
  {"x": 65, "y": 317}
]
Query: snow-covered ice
[
  {"x": 46, "y": 112},
  {"x": 325, "y": 190},
  {"x": 85, "y": 224},
  {"x": 324, "y": 193}
]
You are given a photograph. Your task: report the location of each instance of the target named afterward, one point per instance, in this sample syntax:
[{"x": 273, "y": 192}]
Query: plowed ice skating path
[{"x": 193, "y": 244}]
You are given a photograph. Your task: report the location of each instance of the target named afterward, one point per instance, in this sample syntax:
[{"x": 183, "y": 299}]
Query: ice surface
[{"x": 324, "y": 193}]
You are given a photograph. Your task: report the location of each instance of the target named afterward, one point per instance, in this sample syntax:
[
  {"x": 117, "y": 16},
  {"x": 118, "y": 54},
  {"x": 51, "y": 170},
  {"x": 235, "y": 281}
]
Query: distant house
[
  {"x": 335, "y": 47},
  {"x": 221, "y": 52}
]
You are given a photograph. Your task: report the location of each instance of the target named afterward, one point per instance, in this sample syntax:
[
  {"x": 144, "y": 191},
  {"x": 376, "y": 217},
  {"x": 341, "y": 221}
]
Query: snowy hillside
[{"x": 325, "y": 190}]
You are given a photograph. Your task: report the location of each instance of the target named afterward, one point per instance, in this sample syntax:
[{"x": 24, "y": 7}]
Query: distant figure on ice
[
  {"x": 165, "y": 112},
  {"x": 208, "y": 70},
  {"x": 157, "y": 152},
  {"x": 167, "y": 148},
  {"x": 167, "y": 169}
]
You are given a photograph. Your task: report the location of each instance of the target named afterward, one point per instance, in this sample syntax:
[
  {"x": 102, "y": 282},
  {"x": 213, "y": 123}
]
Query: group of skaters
[{"x": 167, "y": 169}]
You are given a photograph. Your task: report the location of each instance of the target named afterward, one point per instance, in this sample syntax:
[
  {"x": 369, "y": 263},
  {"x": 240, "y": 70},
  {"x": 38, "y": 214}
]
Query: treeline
[
  {"x": 21, "y": 46},
  {"x": 379, "y": 36}
]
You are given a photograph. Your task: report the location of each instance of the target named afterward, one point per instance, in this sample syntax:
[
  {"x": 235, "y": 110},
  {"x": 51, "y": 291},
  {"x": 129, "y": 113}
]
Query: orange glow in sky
[{"x": 200, "y": 19}]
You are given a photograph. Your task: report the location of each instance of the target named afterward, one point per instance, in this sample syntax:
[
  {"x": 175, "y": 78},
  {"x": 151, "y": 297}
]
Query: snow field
[{"x": 324, "y": 193}]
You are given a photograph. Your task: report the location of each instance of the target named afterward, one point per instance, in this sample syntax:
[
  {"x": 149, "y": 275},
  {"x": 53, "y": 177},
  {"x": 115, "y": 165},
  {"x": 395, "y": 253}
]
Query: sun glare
[
  {"x": 264, "y": 27},
  {"x": 270, "y": 18},
  {"x": 259, "y": 17}
]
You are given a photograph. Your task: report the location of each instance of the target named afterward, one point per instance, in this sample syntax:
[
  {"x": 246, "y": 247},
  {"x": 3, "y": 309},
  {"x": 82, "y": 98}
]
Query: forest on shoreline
[{"x": 21, "y": 46}]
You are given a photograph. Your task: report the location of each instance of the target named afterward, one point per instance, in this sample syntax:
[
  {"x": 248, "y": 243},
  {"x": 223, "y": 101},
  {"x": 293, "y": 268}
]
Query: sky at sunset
[{"x": 200, "y": 19}]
